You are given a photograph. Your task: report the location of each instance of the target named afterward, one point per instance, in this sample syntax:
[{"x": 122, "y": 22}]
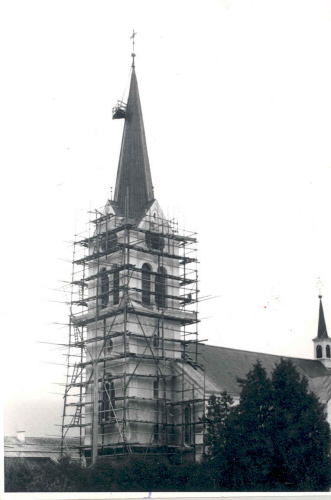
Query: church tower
[
  {"x": 322, "y": 343},
  {"x": 134, "y": 384}
]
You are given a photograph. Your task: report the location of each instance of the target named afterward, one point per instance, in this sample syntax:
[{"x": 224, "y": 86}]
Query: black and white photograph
[{"x": 166, "y": 202}]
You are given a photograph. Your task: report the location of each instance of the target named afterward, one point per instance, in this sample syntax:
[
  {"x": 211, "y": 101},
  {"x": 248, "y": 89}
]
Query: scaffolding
[{"x": 134, "y": 384}]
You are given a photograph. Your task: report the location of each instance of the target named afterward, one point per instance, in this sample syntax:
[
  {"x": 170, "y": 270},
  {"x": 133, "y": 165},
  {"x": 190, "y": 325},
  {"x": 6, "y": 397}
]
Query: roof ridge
[{"x": 258, "y": 352}]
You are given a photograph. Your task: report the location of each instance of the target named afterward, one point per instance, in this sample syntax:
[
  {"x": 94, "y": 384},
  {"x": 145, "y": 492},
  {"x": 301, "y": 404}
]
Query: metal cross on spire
[
  {"x": 133, "y": 35},
  {"x": 133, "y": 54}
]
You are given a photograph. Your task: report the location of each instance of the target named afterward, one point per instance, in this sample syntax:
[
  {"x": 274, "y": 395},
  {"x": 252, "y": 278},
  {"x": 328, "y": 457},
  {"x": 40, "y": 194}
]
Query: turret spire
[
  {"x": 134, "y": 189},
  {"x": 322, "y": 331}
]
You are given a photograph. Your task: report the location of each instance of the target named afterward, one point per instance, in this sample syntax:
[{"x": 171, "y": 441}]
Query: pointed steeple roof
[
  {"x": 322, "y": 331},
  {"x": 134, "y": 189}
]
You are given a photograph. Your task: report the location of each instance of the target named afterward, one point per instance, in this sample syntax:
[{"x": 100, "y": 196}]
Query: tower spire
[
  {"x": 322, "y": 331},
  {"x": 134, "y": 189}
]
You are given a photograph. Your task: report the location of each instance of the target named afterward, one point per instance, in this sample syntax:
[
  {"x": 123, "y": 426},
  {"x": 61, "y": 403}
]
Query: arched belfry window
[
  {"x": 104, "y": 287},
  {"x": 318, "y": 351},
  {"x": 146, "y": 284},
  {"x": 328, "y": 353},
  {"x": 161, "y": 287},
  {"x": 108, "y": 402}
]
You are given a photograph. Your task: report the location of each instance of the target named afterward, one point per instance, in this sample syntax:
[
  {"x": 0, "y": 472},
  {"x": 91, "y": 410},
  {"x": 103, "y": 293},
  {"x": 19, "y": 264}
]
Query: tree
[
  {"x": 276, "y": 439},
  {"x": 252, "y": 423},
  {"x": 300, "y": 432},
  {"x": 218, "y": 410},
  {"x": 216, "y": 436},
  {"x": 239, "y": 447},
  {"x": 245, "y": 455}
]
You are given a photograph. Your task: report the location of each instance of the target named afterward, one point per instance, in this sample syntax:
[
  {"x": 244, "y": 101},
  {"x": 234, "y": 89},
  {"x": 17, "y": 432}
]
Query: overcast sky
[{"x": 236, "y": 102}]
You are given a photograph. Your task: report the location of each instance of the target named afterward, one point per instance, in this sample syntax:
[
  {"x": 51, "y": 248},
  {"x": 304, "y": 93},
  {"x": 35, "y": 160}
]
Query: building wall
[{"x": 154, "y": 421}]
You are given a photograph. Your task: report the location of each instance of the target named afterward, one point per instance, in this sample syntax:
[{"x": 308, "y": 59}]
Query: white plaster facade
[{"x": 155, "y": 397}]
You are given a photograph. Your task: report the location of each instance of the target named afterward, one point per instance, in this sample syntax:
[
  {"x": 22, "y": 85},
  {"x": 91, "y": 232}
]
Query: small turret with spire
[{"x": 322, "y": 343}]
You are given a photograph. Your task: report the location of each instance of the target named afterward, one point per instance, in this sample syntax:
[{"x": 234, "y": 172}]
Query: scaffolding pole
[{"x": 133, "y": 385}]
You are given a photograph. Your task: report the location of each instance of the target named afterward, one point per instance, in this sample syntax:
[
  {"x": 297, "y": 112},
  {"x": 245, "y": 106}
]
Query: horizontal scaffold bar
[
  {"x": 185, "y": 318},
  {"x": 151, "y": 422},
  {"x": 73, "y": 424},
  {"x": 122, "y": 246},
  {"x": 131, "y": 355},
  {"x": 181, "y": 278},
  {"x": 131, "y": 227},
  {"x": 91, "y": 382},
  {"x": 138, "y": 445},
  {"x": 180, "y": 298},
  {"x": 183, "y": 402},
  {"x": 172, "y": 236},
  {"x": 99, "y": 338},
  {"x": 105, "y": 272},
  {"x": 85, "y": 242}
]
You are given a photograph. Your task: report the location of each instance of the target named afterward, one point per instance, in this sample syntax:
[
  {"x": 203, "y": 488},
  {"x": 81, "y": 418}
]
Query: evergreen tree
[
  {"x": 300, "y": 433},
  {"x": 239, "y": 444},
  {"x": 252, "y": 424},
  {"x": 276, "y": 439},
  {"x": 218, "y": 410}
]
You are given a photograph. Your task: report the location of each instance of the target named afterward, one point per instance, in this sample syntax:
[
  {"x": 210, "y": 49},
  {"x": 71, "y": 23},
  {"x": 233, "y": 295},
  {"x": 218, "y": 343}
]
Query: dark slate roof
[
  {"x": 133, "y": 219},
  {"x": 321, "y": 331},
  {"x": 39, "y": 447},
  {"x": 134, "y": 178},
  {"x": 223, "y": 365}
]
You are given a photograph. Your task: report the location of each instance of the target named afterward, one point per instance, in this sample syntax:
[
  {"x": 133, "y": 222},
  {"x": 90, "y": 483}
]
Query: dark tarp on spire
[
  {"x": 134, "y": 180},
  {"x": 322, "y": 331}
]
